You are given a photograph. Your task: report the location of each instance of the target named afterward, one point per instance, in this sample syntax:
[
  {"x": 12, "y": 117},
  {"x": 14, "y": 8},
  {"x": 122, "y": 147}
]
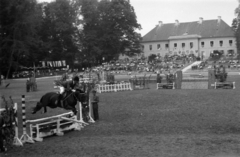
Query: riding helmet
[{"x": 76, "y": 78}]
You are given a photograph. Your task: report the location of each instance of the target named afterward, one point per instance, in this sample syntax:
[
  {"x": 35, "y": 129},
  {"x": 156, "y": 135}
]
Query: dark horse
[{"x": 69, "y": 101}]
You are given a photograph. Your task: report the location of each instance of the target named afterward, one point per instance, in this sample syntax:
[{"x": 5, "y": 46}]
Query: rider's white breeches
[{"x": 61, "y": 90}]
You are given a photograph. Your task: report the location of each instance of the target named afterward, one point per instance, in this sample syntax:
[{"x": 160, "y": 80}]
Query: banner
[
  {"x": 54, "y": 63},
  {"x": 43, "y": 63},
  {"x": 49, "y": 63},
  {"x": 59, "y": 63},
  {"x": 64, "y": 63}
]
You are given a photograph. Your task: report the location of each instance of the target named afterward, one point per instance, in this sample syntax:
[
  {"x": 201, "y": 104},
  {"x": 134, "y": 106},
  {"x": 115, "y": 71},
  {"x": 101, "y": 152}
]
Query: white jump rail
[
  {"x": 56, "y": 124},
  {"x": 40, "y": 128},
  {"x": 113, "y": 87},
  {"x": 159, "y": 84},
  {"x": 53, "y": 126},
  {"x": 234, "y": 85}
]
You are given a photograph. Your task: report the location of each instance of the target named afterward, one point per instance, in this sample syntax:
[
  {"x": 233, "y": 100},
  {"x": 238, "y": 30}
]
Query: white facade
[
  {"x": 183, "y": 46},
  {"x": 200, "y": 38}
]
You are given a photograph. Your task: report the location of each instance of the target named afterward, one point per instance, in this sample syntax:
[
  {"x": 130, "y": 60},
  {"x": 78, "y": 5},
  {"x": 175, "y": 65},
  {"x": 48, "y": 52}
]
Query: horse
[{"x": 69, "y": 101}]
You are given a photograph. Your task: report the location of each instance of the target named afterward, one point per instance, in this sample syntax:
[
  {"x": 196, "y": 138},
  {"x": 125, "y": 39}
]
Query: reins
[
  {"x": 69, "y": 96},
  {"x": 73, "y": 95}
]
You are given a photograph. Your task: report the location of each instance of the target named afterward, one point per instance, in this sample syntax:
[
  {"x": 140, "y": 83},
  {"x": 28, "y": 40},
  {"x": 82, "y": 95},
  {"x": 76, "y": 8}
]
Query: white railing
[{"x": 113, "y": 87}]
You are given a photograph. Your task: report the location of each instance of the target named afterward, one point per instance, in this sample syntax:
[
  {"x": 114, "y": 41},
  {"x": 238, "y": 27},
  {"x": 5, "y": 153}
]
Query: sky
[{"x": 150, "y": 12}]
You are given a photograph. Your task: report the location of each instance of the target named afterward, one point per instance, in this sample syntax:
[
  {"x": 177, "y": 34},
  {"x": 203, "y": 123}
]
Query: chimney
[
  {"x": 200, "y": 20},
  {"x": 219, "y": 19},
  {"x": 176, "y": 22},
  {"x": 160, "y": 23},
  {"x": 156, "y": 29}
]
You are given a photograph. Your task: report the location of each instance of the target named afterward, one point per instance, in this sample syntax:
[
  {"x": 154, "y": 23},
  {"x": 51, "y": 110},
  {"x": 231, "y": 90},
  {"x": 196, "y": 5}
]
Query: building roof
[{"x": 206, "y": 29}]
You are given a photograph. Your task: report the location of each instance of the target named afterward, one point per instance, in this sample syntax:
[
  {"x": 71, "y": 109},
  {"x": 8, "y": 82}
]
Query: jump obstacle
[
  {"x": 225, "y": 85},
  {"x": 209, "y": 82},
  {"x": 167, "y": 83},
  {"x": 40, "y": 128},
  {"x": 140, "y": 82}
]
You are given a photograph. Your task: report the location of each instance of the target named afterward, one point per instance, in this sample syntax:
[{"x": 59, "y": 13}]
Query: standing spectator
[
  {"x": 2, "y": 80},
  {"x": 28, "y": 85},
  {"x": 95, "y": 100}
]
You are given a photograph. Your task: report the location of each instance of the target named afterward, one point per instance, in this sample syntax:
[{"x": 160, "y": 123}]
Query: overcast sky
[{"x": 149, "y": 12}]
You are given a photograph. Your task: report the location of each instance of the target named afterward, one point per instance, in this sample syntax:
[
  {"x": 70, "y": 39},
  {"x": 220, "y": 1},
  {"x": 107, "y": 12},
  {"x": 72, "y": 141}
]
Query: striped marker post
[
  {"x": 80, "y": 118},
  {"x": 16, "y": 141},
  {"x": 90, "y": 113},
  {"x": 25, "y": 137}
]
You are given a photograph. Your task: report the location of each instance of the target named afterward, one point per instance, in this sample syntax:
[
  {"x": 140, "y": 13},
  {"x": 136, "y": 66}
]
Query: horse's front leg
[{"x": 74, "y": 110}]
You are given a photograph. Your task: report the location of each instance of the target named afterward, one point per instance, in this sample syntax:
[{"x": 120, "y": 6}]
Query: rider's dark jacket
[{"x": 68, "y": 85}]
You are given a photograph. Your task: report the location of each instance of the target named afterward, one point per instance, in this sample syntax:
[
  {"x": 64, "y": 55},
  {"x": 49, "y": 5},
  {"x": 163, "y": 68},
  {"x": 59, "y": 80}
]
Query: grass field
[{"x": 144, "y": 123}]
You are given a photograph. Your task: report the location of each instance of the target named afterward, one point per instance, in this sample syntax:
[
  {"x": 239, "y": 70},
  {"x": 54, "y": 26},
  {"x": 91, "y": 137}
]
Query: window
[
  {"x": 230, "y": 42},
  {"x": 191, "y": 45},
  {"x": 166, "y": 46},
  {"x": 230, "y": 53},
  {"x": 202, "y": 44},
  {"x": 150, "y": 47},
  {"x": 220, "y": 42},
  {"x": 158, "y": 46},
  {"x": 211, "y": 43},
  {"x": 183, "y": 45},
  {"x": 175, "y": 45}
]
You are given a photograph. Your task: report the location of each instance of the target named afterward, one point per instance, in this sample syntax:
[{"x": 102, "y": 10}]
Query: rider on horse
[{"x": 65, "y": 87}]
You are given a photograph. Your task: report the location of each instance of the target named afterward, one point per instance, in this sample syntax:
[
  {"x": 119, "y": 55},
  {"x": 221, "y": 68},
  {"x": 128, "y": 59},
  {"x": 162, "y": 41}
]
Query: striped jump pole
[
  {"x": 80, "y": 118},
  {"x": 25, "y": 137},
  {"x": 90, "y": 111},
  {"x": 16, "y": 140}
]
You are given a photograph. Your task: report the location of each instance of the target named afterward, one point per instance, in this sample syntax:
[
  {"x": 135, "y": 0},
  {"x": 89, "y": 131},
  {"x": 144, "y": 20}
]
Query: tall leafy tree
[
  {"x": 109, "y": 29},
  {"x": 235, "y": 24},
  {"x": 237, "y": 28},
  {"x": 118, "y": 27},
  {"x": 60, "y": 30},
  {"x": 18, "y": 25},
  {"x": 90, "y": 38}
]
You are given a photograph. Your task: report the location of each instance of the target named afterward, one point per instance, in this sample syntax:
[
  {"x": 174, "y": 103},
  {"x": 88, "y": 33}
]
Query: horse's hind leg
[
  {"x": 37, "y": 108},
  {"x": 45, "y": 109}
]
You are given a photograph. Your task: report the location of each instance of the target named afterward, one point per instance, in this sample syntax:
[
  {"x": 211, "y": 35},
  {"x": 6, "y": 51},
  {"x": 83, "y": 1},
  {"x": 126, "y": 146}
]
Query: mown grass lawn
[{"x": 144, "y": 123}]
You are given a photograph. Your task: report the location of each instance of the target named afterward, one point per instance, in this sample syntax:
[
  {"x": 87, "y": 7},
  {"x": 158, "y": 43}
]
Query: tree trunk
[{"x": 10, "y": 64}]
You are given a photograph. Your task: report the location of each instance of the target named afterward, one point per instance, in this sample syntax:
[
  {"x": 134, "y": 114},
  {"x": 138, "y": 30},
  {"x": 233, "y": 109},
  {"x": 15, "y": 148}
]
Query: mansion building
[{"x": 200, "y": 38}]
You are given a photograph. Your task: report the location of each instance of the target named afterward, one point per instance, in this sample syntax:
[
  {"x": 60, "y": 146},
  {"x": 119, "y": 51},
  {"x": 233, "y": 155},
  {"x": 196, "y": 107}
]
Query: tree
[
  {"x": 234, "y": 24},
  {"x": 109, "y": 29},
  {"x": 90, "y": 39},
  {"x": 237, "y": 28},
  {"x": 18, "y": 25},
  {"x": 60, "y": 30}
]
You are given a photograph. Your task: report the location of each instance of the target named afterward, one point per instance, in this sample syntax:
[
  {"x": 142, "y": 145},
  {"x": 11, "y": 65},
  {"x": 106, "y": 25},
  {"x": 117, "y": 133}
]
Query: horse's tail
[
  {"x": 41, "y": 99},
  {"x": 39, "y": 105}
]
